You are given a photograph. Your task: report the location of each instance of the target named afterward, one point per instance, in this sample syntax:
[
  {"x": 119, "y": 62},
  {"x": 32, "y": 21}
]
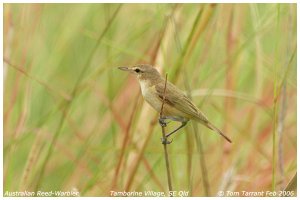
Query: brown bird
[{"x": 177, "y": 106}]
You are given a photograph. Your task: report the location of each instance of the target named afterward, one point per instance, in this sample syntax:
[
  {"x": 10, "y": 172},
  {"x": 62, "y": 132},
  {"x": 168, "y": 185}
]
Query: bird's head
[{"x": 142, "y": 71}]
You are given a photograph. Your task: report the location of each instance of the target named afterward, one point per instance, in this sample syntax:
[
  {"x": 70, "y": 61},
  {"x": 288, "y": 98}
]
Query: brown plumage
[{"x": 177, "y": 107}]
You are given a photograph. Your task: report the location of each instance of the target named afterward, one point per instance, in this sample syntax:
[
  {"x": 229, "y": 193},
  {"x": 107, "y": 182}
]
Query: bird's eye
[{"x": 137, "y": 70}]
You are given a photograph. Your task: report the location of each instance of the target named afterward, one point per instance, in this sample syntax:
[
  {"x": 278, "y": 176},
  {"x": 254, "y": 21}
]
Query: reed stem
[{"x": 165, "y": 139}]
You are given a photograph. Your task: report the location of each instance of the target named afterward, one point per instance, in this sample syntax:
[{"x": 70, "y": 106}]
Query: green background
[{"x": 73, "y": 121}]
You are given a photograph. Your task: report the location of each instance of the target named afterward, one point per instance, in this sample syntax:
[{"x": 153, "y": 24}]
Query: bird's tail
[{"x": 212, "y": 127}]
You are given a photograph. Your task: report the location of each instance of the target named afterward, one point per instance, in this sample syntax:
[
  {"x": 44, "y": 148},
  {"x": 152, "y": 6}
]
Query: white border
[{"x": 161, "y": 1}]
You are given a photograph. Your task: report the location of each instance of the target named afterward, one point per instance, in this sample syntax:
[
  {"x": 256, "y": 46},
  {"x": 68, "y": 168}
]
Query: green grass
[{"x": 72, "y": 120}]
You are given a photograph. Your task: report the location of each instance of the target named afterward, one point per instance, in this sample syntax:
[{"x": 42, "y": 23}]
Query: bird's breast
[{"x": 150, "y": 95}]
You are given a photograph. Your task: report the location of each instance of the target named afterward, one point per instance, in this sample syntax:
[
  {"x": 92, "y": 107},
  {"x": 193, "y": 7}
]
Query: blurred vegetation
[{"x": 73, "y": 121}]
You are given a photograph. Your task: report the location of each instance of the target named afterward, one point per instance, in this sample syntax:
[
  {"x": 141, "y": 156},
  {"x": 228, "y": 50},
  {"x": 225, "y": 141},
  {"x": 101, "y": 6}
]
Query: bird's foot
[
  {"x": 162, "y": 122},
  {"x": 164, "y": 140}
]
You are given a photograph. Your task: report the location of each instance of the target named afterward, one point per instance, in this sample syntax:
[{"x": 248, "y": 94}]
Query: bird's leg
[
  {"x": 181, "y": 126},
  {"x": 162, "y": 121},
  {"x": 165, "y": 140}
]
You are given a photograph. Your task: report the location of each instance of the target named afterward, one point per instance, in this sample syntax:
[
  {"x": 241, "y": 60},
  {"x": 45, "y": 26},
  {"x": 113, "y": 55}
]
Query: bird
[{"x": 177, "y": 106}]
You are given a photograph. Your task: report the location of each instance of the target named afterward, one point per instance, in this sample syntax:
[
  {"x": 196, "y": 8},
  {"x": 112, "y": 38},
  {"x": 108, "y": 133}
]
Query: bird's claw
[
  {"x": 162, "y": 122},
  {"x": 164, "y": 140}
]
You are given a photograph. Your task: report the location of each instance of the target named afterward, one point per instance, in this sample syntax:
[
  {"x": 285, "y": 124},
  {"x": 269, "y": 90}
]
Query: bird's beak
[{"x": 125, "y": 68}]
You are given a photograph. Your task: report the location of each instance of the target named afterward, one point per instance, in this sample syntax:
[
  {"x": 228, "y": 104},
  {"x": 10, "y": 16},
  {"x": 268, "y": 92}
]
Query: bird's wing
[{"x": 179, "y": 100}]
